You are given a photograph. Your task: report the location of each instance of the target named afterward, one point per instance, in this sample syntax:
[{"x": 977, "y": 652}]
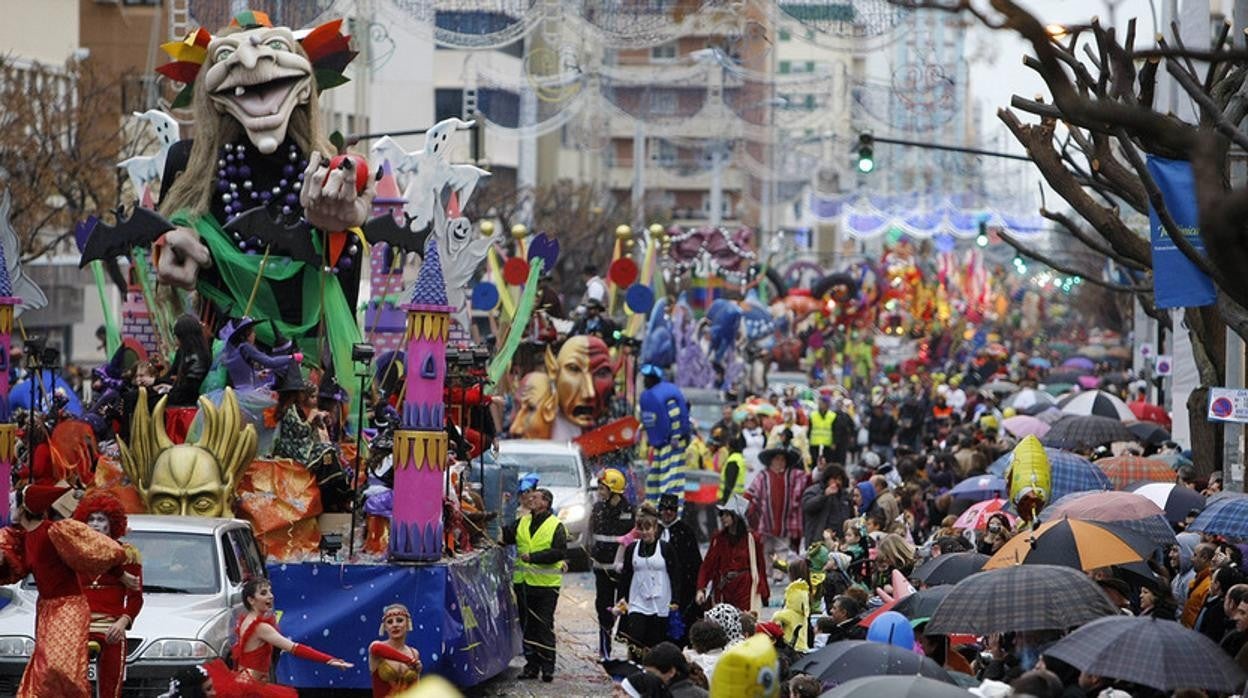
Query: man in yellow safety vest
[
  {"x": 541, "y": 547},
  {"x": 821, "y": 435}
]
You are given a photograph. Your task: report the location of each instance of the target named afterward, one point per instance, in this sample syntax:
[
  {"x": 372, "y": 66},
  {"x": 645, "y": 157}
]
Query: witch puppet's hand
[
  {"x": 179, "y": 255},
  {"x": 337, "y": 193}
]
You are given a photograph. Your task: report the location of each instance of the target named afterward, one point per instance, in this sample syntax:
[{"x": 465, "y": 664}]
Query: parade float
[{"x": 268, "y": 236}]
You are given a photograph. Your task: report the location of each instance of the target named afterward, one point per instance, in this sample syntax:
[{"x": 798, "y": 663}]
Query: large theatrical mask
[
  {"x": 196, "y": 479},
  {"x": 583, "y": 382},
  {"x": 258, "y": 77}
]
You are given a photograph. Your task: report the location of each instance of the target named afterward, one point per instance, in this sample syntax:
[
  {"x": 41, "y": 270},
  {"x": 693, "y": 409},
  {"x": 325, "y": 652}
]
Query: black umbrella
[
  {"x": 1020, "y": 598},
  {"x": 851, "y": 659},
  {"x": 950, "y": 568},
  {"x": 1078, "y": 432},
  {"x": 895, "y": 687},
  {"x": 1160, "y": 654},
  {"x": 923, "y": 603},
  {"x": 1149, "y": 433}
]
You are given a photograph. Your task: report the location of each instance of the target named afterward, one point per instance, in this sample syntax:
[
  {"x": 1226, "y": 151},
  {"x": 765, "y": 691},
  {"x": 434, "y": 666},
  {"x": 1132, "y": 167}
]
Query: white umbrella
[
  {"x": 1098, "y": 402},
  {"x": 1028, "y": 398}
]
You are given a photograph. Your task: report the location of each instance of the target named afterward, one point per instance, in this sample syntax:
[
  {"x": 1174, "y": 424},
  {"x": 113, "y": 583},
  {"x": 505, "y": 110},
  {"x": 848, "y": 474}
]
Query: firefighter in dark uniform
[
  {"x": 541, "y": 547},
  {"x": 613, "y": 517}
]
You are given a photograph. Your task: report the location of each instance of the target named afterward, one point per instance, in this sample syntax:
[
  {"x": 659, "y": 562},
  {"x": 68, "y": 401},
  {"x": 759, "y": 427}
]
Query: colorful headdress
[
  {"x": 328, "y": 49},
  {"x": 394, "y": 610}
]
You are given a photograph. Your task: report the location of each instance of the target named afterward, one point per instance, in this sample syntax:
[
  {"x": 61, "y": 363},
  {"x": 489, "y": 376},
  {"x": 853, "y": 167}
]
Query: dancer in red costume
[
  {"x": 253, "y": 653},
  {"x": 394, "y": 666},
  {"x": 56, "y": 552},
  {"x": 116, "y": 596}
]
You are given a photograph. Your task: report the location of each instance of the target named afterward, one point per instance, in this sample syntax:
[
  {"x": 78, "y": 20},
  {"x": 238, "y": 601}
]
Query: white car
[
  {"x": 193, "y": 572},
  {"x": 561, "y": 470}
]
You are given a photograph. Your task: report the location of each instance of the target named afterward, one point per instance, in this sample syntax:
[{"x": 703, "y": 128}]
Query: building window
[
  {"x": 810, "y": 102},
  {"x": 665, "y": 154},
  {"x": 663, "y": 102},
  {"x": 810, "y": 66},
  {"x": 785, "y": 67},
  {"x": 664, "y": 52},
  {"x": 448, "y": 103},
  {"x": 149, "y": 3},
  {"x": 785, "y": 35}
]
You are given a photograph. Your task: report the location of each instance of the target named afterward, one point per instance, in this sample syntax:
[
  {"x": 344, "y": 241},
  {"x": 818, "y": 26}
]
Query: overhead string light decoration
[
  {"x": 635, "y": 24},
  {"x": 845, "y": 19},
  {"x": 212, "y": 14}
]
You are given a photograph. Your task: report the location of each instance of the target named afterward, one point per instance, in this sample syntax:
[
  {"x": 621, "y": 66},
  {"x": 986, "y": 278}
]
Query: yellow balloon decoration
[{"x": 1030, "y": 472}]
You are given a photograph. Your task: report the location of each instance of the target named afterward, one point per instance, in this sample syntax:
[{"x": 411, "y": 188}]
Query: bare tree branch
[{"x": 1066, "y": 269}]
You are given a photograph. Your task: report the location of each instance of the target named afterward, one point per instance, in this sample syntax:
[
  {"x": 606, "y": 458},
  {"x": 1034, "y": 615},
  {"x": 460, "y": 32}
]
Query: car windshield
[
  {"x": 177, "y": 563},
  {"x": 553, "y": 470}
]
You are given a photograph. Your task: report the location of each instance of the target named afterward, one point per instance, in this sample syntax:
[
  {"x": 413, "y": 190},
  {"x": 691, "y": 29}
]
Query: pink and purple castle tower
[
  {"x": 420, "y": 442},
  {"x": 8, "y": 430}
]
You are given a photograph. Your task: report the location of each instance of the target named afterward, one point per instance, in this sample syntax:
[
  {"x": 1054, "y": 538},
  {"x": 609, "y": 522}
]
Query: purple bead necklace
[{"x": 239, "y": 193}]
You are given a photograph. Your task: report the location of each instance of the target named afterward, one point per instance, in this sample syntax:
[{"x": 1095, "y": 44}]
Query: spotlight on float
[{"x": 866, "y": 153}]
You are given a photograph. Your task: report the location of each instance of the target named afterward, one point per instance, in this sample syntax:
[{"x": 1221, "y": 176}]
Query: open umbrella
[
  {"x": 1028, "y": 398},
  {"x": 1150, "y": 434},
  {"x": 1127, "y": 509},
  {"x": 1174, "y": 460},
  {"x": 1070, "y": 473},
  {"x": 949, "y": 568},
  {"x": 1098, "y": 402},
  {"x": 975, "y": 518},
  {"x": 1059, "y": 387},
  {"x": 1176, "y": 500},
  {"x": 1126, "y": 469},
  {"x": 1089, "y": 382},
  {"x": 1119, "y": 352},
  {"x": 980, "y": 488},
  {"x": 1086, "y": 432},
  {"x": 1083, "y": 545},
  {"x": 1020, "y": 598},
  {"x": 1050, "y": 415},
  {"x": 1092, "y": 351},
  {"x": 756, "y": 408},
  {"x": 923, "y": 603},
  {"x": 1156, "y": 653},
  {"x": 895, "y": 687},
  {"x": 1148, "y": 412},
  {"x": 1226, "y": 517},
  {"x": 1039, "y": 362},
  {"x": 998, "y": 387},
  {"x": 852, "y": 659},
  {"x": 1079, "y": 363},
  {"x": 1025, "y": 425}
]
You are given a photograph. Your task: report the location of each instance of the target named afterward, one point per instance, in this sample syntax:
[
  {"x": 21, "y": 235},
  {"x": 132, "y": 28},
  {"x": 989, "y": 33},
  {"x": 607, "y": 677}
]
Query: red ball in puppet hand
[{"x": 357, "y": 163}]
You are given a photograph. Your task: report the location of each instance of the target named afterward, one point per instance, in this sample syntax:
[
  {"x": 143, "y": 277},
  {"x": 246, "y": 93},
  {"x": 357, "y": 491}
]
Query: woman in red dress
[
  {"x": 253, "y": 653},
  {"x": 394, "y": 666},
  {"x": 735, "y": 567}
]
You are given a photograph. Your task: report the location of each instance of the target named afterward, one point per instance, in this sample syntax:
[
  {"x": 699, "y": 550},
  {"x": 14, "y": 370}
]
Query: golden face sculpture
[
  {"x": 188, "y": 479},
  {"x": 535, "y": 408},
  {"x": 258, "y": 76},
  {"x": 583, "y": 379}
]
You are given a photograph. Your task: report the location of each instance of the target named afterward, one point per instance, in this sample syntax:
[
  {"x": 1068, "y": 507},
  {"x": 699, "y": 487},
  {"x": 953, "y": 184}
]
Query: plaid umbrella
[
  {"x": 1021, "y": 598},
  {"x": 980, "y": 488},
  {"x": 1098, "y": 402},
  {"x": 1176, "y": 500},
  {"x": 1149, "y": 433},
  {"x": 1026, "y": 425},
  {"x": 1070, "y": 472},
  {"x": 1086, "y": 432},
  {"x": 1156, "y": 653},
  {"x": 1073, "y": 543},
  {"x": 1127, "y": 469},
  {"x": 1131, "y": 511},
  {"x": 1226, "y": 517},
  {"x": 895, "y": 687},
  {"x": 852, "y": 659},
  {"x": 949, "y": 568}
]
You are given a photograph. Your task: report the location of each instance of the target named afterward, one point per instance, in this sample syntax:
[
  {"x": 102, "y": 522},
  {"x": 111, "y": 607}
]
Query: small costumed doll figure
[
  {"x": 55, "y": 552},
  {"x": 114, "y": 596},
  {"x": 394, "y": 666}
]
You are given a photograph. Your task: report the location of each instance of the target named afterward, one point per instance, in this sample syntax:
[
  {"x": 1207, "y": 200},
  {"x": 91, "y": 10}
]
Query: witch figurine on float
[{"x": 265, "y": 222}]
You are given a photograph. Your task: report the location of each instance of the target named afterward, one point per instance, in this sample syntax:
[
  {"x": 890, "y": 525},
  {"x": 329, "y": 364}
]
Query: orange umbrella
[
  {"x": 1125, "y": 470},
  {"x": 1083, "y": 545}
]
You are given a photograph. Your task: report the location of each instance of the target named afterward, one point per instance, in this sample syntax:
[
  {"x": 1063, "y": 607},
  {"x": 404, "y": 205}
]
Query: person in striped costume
[{"x": 665, "y": 418}]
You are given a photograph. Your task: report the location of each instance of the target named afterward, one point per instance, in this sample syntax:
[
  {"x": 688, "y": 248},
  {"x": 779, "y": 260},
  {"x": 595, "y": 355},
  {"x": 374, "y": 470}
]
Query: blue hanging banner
[{"x": 1177, "y": 282}]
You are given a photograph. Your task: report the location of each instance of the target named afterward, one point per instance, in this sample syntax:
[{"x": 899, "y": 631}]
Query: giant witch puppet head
[{"x": 256, "y": 79}]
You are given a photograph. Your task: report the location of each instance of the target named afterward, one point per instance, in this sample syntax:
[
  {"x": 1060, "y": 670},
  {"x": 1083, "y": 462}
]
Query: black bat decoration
[
  {"x": 141, "y": 229},
  {"x": 385, "y": 229},
  {"x": 261, "y": 229}
]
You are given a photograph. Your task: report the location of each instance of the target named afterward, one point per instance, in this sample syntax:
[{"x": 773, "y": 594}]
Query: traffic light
[
  {"x": 982, "y": 238},
  {"x": 866, "y": 153}
]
